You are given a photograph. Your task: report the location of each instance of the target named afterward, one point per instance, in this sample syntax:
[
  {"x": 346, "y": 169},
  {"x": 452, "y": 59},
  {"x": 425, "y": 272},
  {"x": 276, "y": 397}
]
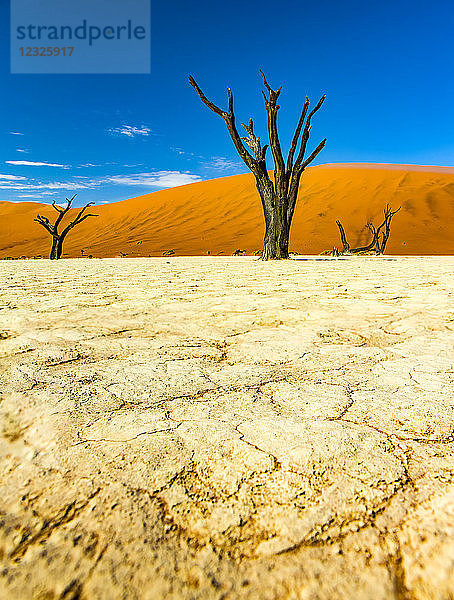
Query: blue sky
[{"x": 386, "y": 67}]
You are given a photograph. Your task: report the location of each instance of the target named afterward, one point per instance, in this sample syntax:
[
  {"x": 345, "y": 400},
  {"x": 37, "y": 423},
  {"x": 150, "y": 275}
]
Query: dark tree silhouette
[
  {"x": 59, "y": 237},
  {"x": 380, "y": 235},
  {"x": 278, "y": 195},
  {"x": 389, "y": 214},
  {"x": 345, "y": 244}
]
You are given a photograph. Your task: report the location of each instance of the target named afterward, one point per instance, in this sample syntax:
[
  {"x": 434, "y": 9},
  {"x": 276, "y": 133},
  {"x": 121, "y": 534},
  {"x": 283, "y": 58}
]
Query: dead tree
[
  {"x": 278, "y": 195},
  {"x": 378, "y": 243},
  {"x": 59, "y": 237},
  {"x": 386, "y": 225}
]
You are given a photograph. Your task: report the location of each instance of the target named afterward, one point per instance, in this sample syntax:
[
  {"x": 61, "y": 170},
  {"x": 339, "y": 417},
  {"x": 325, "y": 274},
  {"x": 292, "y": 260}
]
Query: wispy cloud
[
  {"x": 28, "y": 188},
  {"x": 159, "y": 179},
  {"x": 52, "y": 185},
  {"x": 30, "y": 163},
  {"x": 222, "y": 164},
  {"x": 130, "y": 131},
  {"x": 12, "y": 177},
  {"x": 218, "y": 164},
  {"x": 21, "y": 150},
  {"x": 89, "y": 165},
  {"x": 30, "y": 195},
  {"x": 16, "y": 133},
  {"x": 182, "y": 152}
]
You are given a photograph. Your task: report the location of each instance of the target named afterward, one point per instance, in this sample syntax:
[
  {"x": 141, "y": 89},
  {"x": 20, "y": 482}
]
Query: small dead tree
[
  {"x": 59, "y": 237},
  {"x": 380, "y": 235},
  {"x": 278, "y": 195},
  {"x": 386, "y": 226}
]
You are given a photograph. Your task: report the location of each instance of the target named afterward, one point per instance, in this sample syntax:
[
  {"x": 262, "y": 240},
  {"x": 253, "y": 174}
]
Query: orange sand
[{"x": 221, "y": 215}]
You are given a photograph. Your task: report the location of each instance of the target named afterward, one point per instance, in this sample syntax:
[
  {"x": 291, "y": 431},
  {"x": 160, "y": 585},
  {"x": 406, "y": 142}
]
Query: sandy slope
[
  {"x": 223, "y": 215},
  {"x": 218, "y": 428}
]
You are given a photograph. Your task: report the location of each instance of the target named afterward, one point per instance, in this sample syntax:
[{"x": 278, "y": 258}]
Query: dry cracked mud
[{"x": 222, "y": 428}]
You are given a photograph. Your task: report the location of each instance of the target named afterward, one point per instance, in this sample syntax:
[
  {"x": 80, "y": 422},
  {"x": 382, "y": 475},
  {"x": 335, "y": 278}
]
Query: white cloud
[
  {"x": 90, "y": 165},
  {"x": 220, "y": 163},
  {"x": 182, "y": 152},
  {"x": 130, "y": 131},
  {"x": 12, "y": 177},
  {"x": 53, "y": 185},
  {"x": 35, "y": 187},
  {"x": 16, "y": 133},
  {"x": 22, "y": 150},
  {"x": 29, "y": 163},
  {"x": 159, "y": 179},
  {"x": 65, "y": 185}
]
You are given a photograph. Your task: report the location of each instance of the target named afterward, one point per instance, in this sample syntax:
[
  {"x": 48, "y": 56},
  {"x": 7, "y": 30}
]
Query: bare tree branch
[
  {"x": 345, "y": 244},
  {"x": 272, "y": 92},
  {"x": 306, "y": 133},
  {"x": 294, "y": 176},
  {"x": 62, "y": 211},
  {"x": 58, "y": 208},
  {"x": 313, "y": 155},
  {"x": 271, "y": 108},
  {"x": 297, "y": 135},
  {"x": 254, "y": 142},
  {"x": 205, "y": 100},
  {"x": 44, "y": 221},
  {"x": 78, "y": 219},
  {"x": 388, "y": 214},
  {"x": 257, "y": 167}
]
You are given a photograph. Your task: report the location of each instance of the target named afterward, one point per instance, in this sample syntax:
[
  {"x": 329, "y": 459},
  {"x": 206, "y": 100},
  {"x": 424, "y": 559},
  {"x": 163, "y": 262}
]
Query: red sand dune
[{"x": 221, "y": 215}]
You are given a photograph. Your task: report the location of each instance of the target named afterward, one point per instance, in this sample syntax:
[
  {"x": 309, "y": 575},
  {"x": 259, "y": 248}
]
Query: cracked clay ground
[{"x": 222, "y": 428}]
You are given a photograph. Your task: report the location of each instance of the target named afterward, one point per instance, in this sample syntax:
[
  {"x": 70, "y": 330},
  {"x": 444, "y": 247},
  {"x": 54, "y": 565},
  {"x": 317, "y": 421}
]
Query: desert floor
[{"x": 223, "y": 428}]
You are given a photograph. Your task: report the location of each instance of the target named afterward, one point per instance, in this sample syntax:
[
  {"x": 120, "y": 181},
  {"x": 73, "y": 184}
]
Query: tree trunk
[
  {"x": 275, "y": 243},
  {"x": 345, "y": 244},
  {"x": 57, "y": 248},
  {"x": 385, "y": 237},
  {"x": 277, "y": 222}
]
